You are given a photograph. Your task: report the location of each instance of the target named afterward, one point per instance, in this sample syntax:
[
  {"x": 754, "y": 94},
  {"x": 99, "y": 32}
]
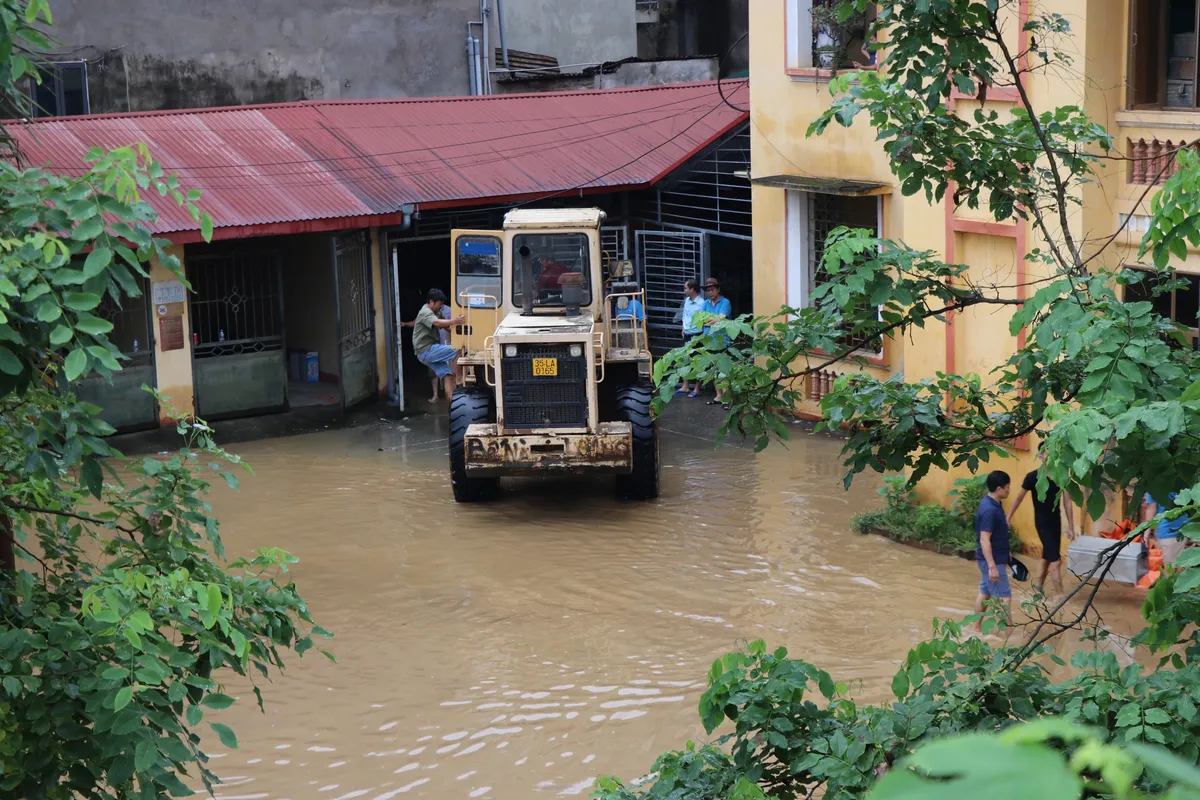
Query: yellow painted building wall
[
  {"x": 173, "y": 369},
  {"x": 783, "y": 104},
  {"x": 378, "y": 285}
]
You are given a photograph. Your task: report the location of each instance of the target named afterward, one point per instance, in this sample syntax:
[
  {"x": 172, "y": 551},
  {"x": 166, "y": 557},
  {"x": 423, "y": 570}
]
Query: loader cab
[{"x": 563, "y": 247}]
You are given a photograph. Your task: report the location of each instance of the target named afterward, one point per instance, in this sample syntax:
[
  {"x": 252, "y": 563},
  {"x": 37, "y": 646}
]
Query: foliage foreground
[
  {"x": 1112, "y": 387},
  {"x": 118, "y": 613}
]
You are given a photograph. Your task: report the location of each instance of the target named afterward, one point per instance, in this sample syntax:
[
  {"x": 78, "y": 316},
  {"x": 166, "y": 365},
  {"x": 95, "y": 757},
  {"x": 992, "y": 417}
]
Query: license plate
[{"x": 545, "y": 368}]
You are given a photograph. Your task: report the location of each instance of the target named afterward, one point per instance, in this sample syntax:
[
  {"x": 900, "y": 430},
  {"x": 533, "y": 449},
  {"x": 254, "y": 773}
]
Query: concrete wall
[
  {"x": 573, "y": 31},
  {"x": 632, "y": 73},
  {"x": 309, "y": 313},
  {"x": 686, "y": 28},
  {"x": 657, "y": 73},
  {"x": 785, "y": 100},
  {"x": 163, "y": 54}
]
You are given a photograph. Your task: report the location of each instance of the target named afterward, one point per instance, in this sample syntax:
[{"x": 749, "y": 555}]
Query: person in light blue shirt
[
  {"x": 719, "y": 307},
  {"x": 693, "y": 304},
  {"x": 1167, "y": 532}
]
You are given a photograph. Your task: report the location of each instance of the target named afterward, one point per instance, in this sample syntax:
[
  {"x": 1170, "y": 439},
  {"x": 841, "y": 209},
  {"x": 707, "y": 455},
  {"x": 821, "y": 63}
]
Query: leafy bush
[
  {"x": 119, "y": 614},
  {"x": 968, "y": 493},
  {"x": 898, "y": 492},
  {"x": 949, "y": 531},
  {"x": 797, "y": 730}
]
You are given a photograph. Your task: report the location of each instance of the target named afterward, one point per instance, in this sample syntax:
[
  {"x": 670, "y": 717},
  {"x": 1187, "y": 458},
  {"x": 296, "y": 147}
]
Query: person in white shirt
[{"x": 693, "y": 304}]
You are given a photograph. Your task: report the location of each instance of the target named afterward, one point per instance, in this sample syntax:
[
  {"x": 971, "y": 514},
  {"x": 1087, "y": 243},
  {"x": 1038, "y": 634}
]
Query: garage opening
[
  {"x": 420, "y": 265},
  {"x": 330, "y": 313}
]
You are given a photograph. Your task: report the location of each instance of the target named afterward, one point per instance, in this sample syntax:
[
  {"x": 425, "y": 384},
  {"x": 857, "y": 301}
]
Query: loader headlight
[
  {"x": 510, "y": 351},
  {"x": 576, "y": 350}
]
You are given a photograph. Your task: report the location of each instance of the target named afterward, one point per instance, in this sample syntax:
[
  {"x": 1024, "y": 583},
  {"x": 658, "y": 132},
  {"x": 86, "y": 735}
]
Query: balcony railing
[{"x": 1152, "y": 161}]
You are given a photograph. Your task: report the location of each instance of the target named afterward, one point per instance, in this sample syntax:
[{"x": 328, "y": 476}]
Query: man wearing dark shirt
[
  {"x": 991, "y": 542},
  {"x": 1047, "y": 518}
]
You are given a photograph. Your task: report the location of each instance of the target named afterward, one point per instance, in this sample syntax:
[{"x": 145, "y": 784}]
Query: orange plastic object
[
  {"x": 1148, "y": 579},
  {"x": 1156, "y": 560}
]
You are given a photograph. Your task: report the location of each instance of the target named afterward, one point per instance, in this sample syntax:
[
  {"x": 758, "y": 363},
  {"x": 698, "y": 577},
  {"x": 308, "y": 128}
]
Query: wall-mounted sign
[
  {"x": 162, "y": 311},
  {"x": 168, "y": 292},
  {"x": 170, "y": 333}
]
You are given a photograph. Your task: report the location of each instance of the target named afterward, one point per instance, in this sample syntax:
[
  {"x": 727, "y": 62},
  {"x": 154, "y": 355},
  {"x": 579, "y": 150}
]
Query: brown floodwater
[{"x": 521, "y": 648}]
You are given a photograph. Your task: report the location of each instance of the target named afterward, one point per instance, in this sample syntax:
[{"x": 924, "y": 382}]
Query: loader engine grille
[{"x": 540, "y": 401}]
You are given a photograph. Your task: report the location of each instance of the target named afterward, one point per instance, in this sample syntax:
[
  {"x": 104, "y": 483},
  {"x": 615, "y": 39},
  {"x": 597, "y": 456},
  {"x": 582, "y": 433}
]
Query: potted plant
[{"x": 832, "y": 35}]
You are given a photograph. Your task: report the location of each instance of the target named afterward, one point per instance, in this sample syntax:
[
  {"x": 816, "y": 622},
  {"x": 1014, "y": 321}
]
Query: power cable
[
  {"x": 657, "y": 147},
  {"x": 721, "y": 68},
  {"x": 320, "y": 160},
  {"x": 323, "y": 175}
]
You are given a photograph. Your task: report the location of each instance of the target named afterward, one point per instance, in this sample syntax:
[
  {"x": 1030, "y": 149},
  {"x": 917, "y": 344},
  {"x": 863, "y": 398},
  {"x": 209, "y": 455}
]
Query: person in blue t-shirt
[
  {"x": 1167, "y": 532},
  {"x": 992, "y": 542},
  {"x": 632, "y": 311},
  {"x": 719, "y": 307}
]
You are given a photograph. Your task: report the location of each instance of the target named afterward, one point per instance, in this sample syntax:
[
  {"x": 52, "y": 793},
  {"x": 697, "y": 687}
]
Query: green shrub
[
  {"x": 897, "y": 492},
  {"x": 949, "y": 530},
  {"x": 967, "y": 494}
]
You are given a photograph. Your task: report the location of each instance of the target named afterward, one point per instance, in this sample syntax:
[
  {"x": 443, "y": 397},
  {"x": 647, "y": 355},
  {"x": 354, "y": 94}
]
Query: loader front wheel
[
  {"x": 468, "y": 407},
  {"x": 633, "y": 406}
]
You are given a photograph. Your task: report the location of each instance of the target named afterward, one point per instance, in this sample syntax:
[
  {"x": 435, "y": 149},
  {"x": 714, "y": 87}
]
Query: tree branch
[
  {"x": 72, "y": 515},
  {"x": 1059, "y": 184}
]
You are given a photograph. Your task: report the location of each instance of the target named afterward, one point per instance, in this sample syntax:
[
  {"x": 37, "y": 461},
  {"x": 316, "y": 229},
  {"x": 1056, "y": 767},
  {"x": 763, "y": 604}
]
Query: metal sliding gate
[
  {"x": 666, "y": 260},
  {"x": 355, "y": 317},
  {"x": 236, "y": 309},
  {"x": 123, "y": 402},
  {"x": 614, "y": 242}
]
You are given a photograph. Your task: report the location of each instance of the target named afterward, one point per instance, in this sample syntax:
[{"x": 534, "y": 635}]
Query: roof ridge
[{"x": 318, "y": 104}]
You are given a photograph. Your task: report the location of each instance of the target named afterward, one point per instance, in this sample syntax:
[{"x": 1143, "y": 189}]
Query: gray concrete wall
[
  {"x": 162, "y": 54},
  {"x": 157, "y": 54},
  {"x": 658, "y": 73},
  {"x": 573, "y": 31},
  {"x": 686, "y": 28}
]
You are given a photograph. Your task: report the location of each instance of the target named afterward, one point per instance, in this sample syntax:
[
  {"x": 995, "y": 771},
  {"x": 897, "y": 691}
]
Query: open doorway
[
  {"x": 421, "y": 264},
  {"x": 731, "y": 261}
]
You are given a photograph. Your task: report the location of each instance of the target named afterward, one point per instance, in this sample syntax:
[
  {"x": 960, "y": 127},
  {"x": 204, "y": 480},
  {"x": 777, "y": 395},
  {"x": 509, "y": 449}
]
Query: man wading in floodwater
[
  {"x": 1047, "y": 518},
  {"x": 991, "y": 542},
  {"x": 441, "y": 358}
]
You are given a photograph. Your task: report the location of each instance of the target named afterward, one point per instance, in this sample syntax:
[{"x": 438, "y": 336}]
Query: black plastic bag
[{"x": 1019, "y": 571}]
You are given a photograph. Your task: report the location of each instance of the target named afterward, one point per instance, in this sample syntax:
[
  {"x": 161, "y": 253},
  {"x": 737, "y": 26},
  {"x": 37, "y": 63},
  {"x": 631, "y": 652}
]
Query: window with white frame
[
  {"x": 810, "y": 218},
  {"x": 816, "y": 38}
]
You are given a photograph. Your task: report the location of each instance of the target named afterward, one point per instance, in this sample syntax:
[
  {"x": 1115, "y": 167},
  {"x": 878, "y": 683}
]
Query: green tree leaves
[
  {"x": 225, "y": 734},
  {"x": 121, "y": 613}
]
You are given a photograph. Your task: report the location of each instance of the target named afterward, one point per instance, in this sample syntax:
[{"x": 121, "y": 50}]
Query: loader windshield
[{"x": 556, "y": 257}]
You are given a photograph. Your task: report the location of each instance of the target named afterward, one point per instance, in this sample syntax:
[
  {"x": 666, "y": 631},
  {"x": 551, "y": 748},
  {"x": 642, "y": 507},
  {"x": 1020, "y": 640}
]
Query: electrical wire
[
  {"x": 657, "y": 147},
  {"x": 424, "y": 149},
  {"x": 373, "y": 174},
  {"x": 721, "y": 68}
]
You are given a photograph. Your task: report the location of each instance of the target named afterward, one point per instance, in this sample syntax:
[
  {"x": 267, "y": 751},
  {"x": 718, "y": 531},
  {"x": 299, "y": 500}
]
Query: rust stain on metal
[{"x": 609, "y": 448}]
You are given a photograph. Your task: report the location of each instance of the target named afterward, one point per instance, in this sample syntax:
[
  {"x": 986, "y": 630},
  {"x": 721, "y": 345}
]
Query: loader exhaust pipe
[{"x": 524, "y": 256}]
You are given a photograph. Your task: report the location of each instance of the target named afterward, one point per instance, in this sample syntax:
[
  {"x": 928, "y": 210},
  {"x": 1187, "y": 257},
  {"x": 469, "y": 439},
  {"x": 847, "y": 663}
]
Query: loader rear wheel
[
  {"x": 468, "y": 407},
  {"x": 633, "y": 406}
]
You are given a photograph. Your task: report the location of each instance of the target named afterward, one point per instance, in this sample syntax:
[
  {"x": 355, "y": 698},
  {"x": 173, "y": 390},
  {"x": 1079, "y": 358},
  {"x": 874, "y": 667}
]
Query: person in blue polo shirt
[
  {"x": 992, "y": 542},
  {"x": 1167, "y": 532},
  {"x": 719, "y": 307}
]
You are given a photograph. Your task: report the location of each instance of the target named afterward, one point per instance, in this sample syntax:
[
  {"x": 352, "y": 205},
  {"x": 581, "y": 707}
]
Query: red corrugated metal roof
[{"x": 260, "y": 166}]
